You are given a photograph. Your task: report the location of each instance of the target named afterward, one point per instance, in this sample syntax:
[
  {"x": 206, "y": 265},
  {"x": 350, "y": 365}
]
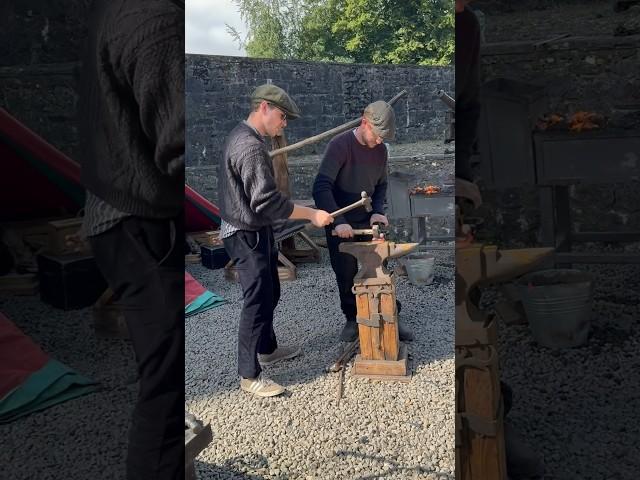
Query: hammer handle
[
  {"x": 356, "y": 231},
  {"x": 348, "y": 208}
]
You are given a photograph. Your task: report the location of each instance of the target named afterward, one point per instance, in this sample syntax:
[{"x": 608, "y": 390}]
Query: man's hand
[
  {"x": 320, "y": 218},
  {"x": 377, "y": 218},
  {"x": 344, "y": 230}
]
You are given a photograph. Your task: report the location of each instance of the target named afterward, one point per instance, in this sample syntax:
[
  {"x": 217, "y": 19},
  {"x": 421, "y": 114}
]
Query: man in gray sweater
[{"x": 249, "y": 205}]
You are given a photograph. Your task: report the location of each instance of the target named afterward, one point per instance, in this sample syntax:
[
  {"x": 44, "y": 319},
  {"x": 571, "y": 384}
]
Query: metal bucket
[
  {"x": 420, "y": 268},
  {"x": 558, "y": 306}
]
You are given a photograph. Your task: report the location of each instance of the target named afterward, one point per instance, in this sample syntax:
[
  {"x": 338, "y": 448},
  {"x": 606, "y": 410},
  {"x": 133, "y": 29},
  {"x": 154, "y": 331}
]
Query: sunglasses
[{"x": 283, "y": 116}]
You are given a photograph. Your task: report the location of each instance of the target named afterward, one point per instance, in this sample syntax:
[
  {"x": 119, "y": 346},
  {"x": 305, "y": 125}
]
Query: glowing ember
[
  {"x": 577, "y": 122},
  {"x": 425, "y": 190}
]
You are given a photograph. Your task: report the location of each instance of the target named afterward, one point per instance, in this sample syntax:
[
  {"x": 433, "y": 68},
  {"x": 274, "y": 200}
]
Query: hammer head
[{"x": 366, "y": 201}]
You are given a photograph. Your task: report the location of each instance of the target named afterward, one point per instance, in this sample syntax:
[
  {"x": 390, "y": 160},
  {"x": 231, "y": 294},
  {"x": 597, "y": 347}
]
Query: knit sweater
[
  {"x": 248, "y": 196},
  {"x": 347, "y": 169},
  {"x": 132, "y": 106}
]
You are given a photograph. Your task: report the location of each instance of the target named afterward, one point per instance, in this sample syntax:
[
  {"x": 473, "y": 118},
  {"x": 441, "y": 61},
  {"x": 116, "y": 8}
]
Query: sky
[{"x": 205, "y": 30}]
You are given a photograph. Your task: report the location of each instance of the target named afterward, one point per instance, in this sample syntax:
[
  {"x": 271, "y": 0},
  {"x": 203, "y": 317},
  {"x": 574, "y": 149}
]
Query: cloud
[{"x": 205, "y": 30}]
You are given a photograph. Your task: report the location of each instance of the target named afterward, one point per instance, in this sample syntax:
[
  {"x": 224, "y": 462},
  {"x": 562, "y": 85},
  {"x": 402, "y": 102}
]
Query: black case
[
  {"x": 214, "y": 257},
  {"x": 70, "y": 281}
]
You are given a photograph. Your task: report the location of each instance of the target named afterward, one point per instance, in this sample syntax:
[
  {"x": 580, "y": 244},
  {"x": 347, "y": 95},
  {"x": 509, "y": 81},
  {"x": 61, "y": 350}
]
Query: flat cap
[
  {"x": 273, "y": 94},
  {"x": 382, "y": 118}
]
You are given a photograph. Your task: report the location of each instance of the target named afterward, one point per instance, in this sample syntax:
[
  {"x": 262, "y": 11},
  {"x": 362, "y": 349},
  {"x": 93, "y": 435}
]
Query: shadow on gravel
[
  {"x": 395, "y": 467},
  {"x": 230, "y": 470}
]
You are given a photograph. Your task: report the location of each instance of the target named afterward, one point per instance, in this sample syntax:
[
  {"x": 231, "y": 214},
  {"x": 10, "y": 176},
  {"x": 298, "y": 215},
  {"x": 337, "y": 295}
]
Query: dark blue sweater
[{"x": 347, "y": 169}]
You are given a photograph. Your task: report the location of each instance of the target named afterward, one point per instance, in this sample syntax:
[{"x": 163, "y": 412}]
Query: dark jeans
[
  {"x": 345, "y": 266},
  {"x": 143, "y": 263},
  {"x": 256, "y": 260}
]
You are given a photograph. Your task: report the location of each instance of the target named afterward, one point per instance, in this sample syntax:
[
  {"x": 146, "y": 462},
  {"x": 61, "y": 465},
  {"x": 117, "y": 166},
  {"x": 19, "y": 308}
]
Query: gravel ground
[
  {"x": 378, "y": 429},
  {"x": 578, "y": 407},
  {"x": 84, "y": 438}
]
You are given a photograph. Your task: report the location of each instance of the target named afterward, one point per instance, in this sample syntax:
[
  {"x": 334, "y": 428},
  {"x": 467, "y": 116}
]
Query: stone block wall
[
  {"x": 41, "y": 44},
  {"x": 329, "y": 94}
]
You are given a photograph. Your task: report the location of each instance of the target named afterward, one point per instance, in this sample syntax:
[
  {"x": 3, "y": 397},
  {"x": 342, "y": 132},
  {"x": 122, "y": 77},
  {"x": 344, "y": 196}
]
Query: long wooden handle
[
  {"x": 328, "y": 133},
  {"x": 348, "y": 208}
]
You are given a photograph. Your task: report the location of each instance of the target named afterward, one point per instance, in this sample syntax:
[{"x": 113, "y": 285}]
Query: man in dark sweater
[
  {"x": 250, "y": 204},
  {"x": 355, "y": 161},
  {"x": 132, "y": 133},
  {"x": 467, "y": 87}
]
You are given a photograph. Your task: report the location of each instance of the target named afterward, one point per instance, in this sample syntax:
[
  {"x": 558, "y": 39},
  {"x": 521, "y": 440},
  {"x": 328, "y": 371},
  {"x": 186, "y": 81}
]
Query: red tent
[{"x": 45, "y": 182}]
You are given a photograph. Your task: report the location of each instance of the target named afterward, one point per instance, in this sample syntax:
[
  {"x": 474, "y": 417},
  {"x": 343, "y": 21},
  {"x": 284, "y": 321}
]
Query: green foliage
[{"x": 417, "y": 32}]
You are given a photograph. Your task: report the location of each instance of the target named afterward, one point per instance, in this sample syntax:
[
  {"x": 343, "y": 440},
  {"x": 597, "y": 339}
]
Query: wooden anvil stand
[
  {"x": 480, "y": 448},
  {"x": 382, "y": 356}
]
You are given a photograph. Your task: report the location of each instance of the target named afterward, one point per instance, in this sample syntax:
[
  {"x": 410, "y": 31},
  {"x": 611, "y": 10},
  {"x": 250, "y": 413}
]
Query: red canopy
[{"x": 44, "y": 182}]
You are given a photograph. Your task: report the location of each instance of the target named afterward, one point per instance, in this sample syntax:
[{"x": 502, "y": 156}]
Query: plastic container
[
  {"x": 558, "y": 304},
  {"x": 420, "y": 267}
]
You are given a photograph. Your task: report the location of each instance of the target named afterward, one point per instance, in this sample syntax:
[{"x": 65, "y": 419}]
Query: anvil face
[{"x": 371, "y": 255}]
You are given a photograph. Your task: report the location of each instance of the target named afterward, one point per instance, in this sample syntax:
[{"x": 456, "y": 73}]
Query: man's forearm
[{"x": 301, "y": 213}]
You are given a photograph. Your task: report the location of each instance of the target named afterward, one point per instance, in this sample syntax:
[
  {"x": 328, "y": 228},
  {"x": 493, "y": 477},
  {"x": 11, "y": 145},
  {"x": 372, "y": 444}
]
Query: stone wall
[
  {"x": 41, "y": 44},
  {"x": 581, "y": 73},
  {"x": 328, "y": 94}
]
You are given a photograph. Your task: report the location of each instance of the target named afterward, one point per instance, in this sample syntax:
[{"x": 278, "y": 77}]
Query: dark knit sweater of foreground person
[{"x": 133, "y": 108}]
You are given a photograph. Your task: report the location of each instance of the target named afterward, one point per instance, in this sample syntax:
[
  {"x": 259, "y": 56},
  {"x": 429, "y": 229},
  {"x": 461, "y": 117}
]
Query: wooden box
[
  {"x": 64, "y": 238},
  {"x": 209, "y": 237},
  {"x": 19, "y": 284}
]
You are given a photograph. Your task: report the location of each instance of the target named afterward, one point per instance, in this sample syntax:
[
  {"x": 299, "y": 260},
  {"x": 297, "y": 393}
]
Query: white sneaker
[
  {"x": 261, "y": 386},
  {"x": 279, "y": 354}
]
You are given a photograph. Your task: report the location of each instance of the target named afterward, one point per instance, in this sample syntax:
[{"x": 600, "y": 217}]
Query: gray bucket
[
  {"x": 558, "y": 306},
  {"x": 420, "y": 268}
]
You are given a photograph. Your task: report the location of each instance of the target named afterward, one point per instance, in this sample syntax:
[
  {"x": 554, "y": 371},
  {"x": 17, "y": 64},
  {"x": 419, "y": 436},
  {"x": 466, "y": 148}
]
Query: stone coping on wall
[{"x": 308, "y": 62}]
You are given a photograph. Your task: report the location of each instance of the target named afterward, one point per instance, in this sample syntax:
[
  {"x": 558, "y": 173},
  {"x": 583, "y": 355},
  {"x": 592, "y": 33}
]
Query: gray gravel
[
  {"x": 378, "y": 429},
  {"x": 578, "y": 407},
  {"x": 84, "y": 438}
]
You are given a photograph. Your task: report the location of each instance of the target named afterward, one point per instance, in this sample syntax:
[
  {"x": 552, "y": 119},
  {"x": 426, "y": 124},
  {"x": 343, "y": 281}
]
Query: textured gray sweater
[
  {"x": 132, "y": 106},
  {"x": 248, "y": 197}
]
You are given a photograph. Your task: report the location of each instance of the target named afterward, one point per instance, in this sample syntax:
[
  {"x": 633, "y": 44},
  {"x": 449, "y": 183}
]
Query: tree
[
  {"x": 274, "y": 27},
  {"x": 365, "y": 31}
]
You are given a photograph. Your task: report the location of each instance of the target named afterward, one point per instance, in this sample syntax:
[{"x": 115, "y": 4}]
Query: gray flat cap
[
  {"x": 382, "y": 118},
  {"x": 273, "y": 94}
]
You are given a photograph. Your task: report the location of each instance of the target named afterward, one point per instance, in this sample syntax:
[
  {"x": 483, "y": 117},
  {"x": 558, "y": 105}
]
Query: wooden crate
[
  {"x": 64, "y": 237},
  {"x": 19, "y": 284},
  {"x": 208, "y": 237},
  {"x": 192, "y": 258}
]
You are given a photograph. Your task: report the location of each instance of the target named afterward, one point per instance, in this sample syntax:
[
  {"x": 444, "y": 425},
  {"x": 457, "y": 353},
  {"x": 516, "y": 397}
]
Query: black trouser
[
  {"x": 345, "y": 266},
  {"x": 256, "y": 259},
  {"x": 143, "y": 263}
]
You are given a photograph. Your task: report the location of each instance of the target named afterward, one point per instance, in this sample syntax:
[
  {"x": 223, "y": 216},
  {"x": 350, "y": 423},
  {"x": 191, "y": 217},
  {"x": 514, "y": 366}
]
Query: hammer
[
  {"x": 365, "y": 202},
  {"x": 373, "y": 231}
]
